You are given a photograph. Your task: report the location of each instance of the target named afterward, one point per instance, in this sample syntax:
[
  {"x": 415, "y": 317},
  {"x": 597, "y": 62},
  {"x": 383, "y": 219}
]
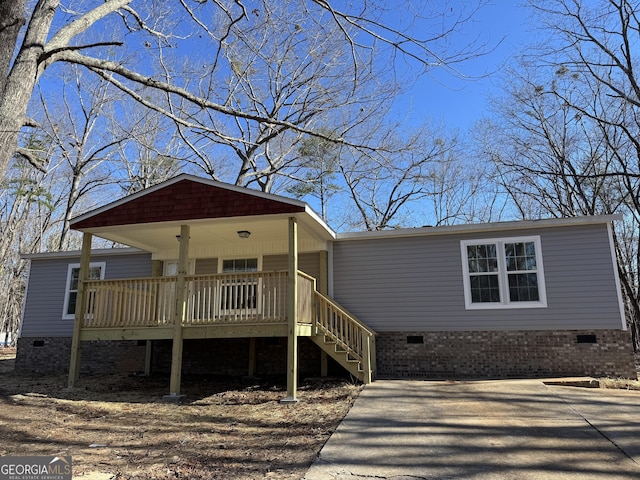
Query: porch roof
[{"x": 151, "y": 219}]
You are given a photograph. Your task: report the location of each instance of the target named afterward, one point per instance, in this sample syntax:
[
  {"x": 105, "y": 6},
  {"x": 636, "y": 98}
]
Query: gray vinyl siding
[
  {"x": 309, "y": 263},
  {"x": 47, "y": 283},
  {"x": 206, "y": 266},
  {"x": 416, "y": 283}
]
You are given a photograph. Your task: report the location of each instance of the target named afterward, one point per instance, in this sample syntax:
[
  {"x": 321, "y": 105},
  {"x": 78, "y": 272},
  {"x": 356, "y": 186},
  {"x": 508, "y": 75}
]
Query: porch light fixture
[{"x": 244, "y": 233}]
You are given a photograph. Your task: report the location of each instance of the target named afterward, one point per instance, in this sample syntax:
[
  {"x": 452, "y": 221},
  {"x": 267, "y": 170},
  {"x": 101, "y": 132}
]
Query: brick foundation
[
  {"x": 440, "y": 355},
  {"x": 218, "y": 356},
  {"x": 505, "y": 354},
  {"x": 52, "y": 355}
]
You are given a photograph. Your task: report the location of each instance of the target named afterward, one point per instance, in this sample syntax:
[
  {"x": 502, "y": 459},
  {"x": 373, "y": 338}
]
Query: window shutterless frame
[
  {"x": 243, "y": 295},
  {"x": 503, "y": 272},
  {"x": 96, "y": 272}
]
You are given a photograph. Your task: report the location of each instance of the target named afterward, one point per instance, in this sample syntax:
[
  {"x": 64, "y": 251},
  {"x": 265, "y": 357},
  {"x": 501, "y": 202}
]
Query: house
[{"x": 219, "y": 278}]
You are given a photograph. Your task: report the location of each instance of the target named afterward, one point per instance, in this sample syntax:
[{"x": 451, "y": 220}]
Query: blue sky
[{"x": 457, "y": 102}]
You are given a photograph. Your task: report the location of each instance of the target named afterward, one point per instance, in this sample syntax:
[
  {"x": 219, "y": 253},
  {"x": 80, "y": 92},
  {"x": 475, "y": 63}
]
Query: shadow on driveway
[{"x": 516, "y": 429}]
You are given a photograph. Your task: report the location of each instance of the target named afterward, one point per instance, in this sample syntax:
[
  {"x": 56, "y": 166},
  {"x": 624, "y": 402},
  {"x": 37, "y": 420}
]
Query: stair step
[{"x": 341, "y": 354}]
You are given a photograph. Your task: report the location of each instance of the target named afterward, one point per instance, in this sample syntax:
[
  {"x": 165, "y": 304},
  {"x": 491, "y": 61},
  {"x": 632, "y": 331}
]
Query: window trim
[
  {"x": 503, "y": 274},
  {"x": 67, "y": 287},
  {"x": 239, "y": 257},
  {"x": 258, "y": 308}
]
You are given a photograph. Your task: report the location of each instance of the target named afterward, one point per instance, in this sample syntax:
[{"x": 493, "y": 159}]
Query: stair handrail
[
  {"x": 356, "y": 339},
  {"x": 346, "y": 313}
]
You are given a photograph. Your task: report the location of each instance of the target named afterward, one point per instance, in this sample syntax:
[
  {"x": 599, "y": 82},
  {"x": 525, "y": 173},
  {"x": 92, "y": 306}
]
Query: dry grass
[
  {"x": 619, "y": 383},
  {"x": 118, "y": 425},
  {"x": 622, "y": 383}
]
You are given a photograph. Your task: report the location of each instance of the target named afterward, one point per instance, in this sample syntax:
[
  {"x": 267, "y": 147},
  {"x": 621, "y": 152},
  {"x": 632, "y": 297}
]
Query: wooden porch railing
[
  {"x": 139, "y": 302},
  {"x": 225, "y": 298},
  {"x": 256, "y": 297},
  {"x": 259, "y": 297},
  {"x": 350, "y": 335},
  {"x": 236, "y": 298}
]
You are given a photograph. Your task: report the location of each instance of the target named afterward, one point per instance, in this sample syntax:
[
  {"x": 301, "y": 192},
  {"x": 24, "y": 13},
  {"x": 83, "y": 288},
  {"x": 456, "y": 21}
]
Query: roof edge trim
[{"x": 479, "y": 227}]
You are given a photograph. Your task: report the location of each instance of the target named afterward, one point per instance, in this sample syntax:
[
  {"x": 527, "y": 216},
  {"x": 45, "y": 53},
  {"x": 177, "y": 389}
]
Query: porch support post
[
  {"x": 252, "y": 356},
  {"x": 292, "y": 313},
  {"x": 156, "y": 271},
  {"x": 83, "y": 275},
  {"x": 147, "y": 358},
  {"x": 178, "y": 316},
  {"x": 323, "y": 287}
]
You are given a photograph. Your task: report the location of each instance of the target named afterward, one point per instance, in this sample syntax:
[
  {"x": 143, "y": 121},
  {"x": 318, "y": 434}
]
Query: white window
[
  {"x": 503, "y": 273},
  {"x": 242, "y": 294},
  {"x": 96, "y": 272}
]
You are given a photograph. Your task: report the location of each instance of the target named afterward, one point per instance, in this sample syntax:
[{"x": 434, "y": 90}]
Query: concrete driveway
[{"x": 503, "y": 429}]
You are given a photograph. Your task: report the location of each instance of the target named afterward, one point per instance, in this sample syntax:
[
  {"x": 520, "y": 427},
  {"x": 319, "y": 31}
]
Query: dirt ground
[{"x": 118, "y": 427}]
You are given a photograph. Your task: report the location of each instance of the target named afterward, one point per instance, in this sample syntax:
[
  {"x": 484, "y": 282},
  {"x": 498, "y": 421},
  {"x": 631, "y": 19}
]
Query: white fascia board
[
  {"x": 318, "y": 219},
  {"x": 479, "y": 227},
  {"x": 76, "y": 253}
]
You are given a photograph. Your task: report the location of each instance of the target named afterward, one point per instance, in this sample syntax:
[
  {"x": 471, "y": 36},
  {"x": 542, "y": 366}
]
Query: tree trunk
[
  {"x": 11, "y": 20},
  {"x": 19, "y": 82}
]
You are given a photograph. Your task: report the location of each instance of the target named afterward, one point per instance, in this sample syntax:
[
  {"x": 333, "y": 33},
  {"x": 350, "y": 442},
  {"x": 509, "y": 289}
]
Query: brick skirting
[
  {"x": 491, "y": 354},
  {"x": 52, "y": 355},
  {"x": 220, "y": 356},
  {"x": 429, "y": 355}
]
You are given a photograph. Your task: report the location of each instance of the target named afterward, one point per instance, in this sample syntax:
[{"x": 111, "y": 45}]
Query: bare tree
[
  {"x": 90, "y": 34},
  {"x": 153, "y": 153},
  {"x": 570, "y": 126},
  {"x": 385, "y": 184},
  {"x": 283, "y": 67},
  {"x": 76, "y": 125},
  {"x": 26, "y": 217},
  {"x": 463, "y": 189}
]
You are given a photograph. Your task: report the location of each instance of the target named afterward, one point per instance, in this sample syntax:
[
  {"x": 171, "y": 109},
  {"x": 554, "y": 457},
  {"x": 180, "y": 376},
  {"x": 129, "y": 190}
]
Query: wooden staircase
[{"x": 345, "y": 339}]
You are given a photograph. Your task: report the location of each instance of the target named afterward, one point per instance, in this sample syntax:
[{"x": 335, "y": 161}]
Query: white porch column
[
  {"x": 83, "y": 275},
  {"x": 292, "y": 313},
  {"x": 178, "y": 316}
]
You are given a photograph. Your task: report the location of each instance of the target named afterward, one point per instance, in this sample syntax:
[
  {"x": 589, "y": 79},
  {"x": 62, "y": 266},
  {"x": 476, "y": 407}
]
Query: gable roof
[{"x": 186, "y": 197}]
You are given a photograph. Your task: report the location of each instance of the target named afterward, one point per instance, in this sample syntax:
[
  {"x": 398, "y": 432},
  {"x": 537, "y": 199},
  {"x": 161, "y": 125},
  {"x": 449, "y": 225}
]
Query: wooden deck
[
  {"x": 255, "y": 298},
  {"x": 223, "y": 306}
]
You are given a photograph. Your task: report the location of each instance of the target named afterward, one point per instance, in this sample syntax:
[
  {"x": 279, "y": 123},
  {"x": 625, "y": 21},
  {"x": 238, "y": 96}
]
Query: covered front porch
[{"x": 180, "y": 303}]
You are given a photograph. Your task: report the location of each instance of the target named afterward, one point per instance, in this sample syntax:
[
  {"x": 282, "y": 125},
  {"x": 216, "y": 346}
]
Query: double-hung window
[
  {"x": 503, "y": 273},
  {"x": 96, "y": 272},
  {"x": 242, "y": 293}
]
